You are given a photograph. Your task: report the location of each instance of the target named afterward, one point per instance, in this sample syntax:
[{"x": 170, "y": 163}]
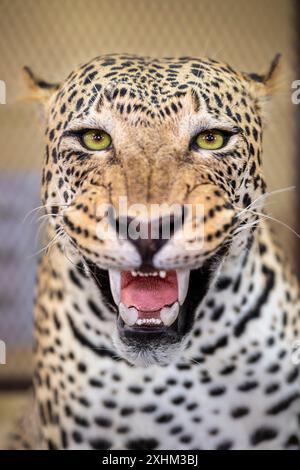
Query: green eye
[
  {"x": 211, "y": 140},
  {"x": 96, "y": 140}
]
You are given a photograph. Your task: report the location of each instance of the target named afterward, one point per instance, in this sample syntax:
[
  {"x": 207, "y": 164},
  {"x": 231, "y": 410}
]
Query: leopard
[{"x": 177, "y": 338}]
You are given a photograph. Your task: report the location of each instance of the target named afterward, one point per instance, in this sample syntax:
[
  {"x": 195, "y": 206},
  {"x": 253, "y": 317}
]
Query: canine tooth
[
  {"x": 115, "y": 284},
  {"x": 133, "y": 273},
  {"x": 169, "y": 314},
  {"x": 162, "y": 274},
  {"x": 129, "y": 315},
  {"x": 183, "y": 276}
]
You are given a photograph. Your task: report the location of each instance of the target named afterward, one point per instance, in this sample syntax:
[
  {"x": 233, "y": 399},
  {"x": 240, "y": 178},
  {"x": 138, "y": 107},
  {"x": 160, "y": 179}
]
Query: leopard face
[{"x": 181, "y": 135}]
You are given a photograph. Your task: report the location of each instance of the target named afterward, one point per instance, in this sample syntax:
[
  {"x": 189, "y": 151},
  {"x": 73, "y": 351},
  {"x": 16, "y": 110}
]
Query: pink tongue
[{"x": 149, "y": 293}]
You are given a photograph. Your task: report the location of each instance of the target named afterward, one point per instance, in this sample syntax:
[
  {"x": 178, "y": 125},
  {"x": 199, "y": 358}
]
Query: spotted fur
[{"x": 230, "y": 383}]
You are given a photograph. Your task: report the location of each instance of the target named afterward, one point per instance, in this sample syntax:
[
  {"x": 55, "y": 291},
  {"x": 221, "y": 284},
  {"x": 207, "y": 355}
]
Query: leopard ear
[
  {"x": 268, "y": 83},
  {"x": 38, "y": 89}
]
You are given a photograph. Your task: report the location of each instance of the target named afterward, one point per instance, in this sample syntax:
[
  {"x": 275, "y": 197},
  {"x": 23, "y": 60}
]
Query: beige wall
[{"x": 53, "y": 36}]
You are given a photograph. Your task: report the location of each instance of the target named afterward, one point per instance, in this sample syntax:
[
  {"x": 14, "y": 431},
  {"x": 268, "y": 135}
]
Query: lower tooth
[
  {"x": 148, "y": 321},
  {"x": 129, "y": 315},
  {"x": 169, "y": 314}
]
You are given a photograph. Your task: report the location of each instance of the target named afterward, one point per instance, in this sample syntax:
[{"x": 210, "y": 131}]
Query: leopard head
[{"x": 149, "y": 165}]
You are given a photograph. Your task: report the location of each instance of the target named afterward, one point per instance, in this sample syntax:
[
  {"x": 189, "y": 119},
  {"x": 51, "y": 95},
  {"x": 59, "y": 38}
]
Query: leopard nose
[
  {"x": 147, "y": 248},
  {"x": 150, "y": 236}
]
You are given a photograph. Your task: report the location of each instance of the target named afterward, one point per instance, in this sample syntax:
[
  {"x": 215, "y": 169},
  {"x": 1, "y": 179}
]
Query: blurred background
[{"x": 54, "y": 37}]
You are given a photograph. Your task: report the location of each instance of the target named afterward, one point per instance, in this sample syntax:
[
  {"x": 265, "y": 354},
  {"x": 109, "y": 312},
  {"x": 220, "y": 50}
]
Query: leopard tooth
[
  {"x": 169, "y": 314},
  {"x": 129, "y": 315},
  {"x": 183, "y": 277},
  {"x": 115, "y": 284}
]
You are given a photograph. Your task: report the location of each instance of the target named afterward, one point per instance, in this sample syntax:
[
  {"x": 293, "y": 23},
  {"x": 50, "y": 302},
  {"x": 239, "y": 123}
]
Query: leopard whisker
[
  {"x": 274, "y": 219},
  {"x": 44, "y": 216},
  {"x": 43, "y": 206},
  {"x": 51, "y": 243},
  {"x": 265, "y": 196}
]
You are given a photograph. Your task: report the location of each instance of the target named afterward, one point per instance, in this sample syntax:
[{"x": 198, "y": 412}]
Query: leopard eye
[
  {"x": 96, "y": 140},
  {"x": 211, "y": 139}
]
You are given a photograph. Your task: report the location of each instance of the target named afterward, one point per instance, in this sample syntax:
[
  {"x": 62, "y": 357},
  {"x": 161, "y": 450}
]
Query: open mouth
[
  {"x": 149, "y": 299},
  {"x": 155, "y": 307}
]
